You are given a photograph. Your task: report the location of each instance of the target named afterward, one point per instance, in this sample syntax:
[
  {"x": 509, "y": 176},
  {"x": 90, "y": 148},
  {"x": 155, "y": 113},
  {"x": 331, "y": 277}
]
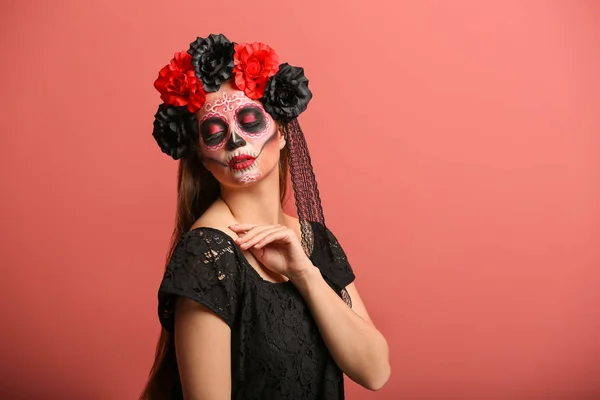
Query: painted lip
[{"x": 241, "y": 161}]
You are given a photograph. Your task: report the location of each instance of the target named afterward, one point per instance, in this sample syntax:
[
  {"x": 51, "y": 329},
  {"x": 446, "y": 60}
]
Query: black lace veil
[{"x": 306, "y": 191}]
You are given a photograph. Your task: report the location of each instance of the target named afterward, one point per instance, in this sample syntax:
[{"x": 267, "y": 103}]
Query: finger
[
  {"x": 284, "y": 234},
  {"x": 244, "y": 236},
  {"x": 241, "y": 227},
  {"x": 260, "y": 236}
]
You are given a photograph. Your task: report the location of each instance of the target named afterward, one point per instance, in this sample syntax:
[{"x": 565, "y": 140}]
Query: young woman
[{"x": 254, "y": 303}]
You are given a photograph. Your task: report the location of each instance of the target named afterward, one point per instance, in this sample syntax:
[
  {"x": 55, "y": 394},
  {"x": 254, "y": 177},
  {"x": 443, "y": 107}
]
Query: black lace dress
[{"x": 277, "y": 351}]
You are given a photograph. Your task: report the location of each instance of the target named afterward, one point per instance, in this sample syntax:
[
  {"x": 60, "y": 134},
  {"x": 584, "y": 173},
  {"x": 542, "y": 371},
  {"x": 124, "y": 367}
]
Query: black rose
[
  {"x": 175, "y": 130},
  {"x": 212, "y": 59},
  {"x": 286, "y": 94}
]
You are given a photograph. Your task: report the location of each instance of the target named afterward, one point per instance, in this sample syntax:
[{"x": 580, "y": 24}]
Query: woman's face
[{"x": 239, "y": 141}]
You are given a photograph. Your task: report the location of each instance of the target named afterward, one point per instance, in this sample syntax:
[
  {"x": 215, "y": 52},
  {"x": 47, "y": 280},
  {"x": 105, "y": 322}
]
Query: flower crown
[{"x": 183, "y": 83}]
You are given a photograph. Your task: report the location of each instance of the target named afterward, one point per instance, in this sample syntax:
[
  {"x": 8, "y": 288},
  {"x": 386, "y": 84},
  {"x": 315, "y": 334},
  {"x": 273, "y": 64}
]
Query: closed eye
[
  {"x": 251, "y": 119},
  {"x": 248, "y": 118},
  {"x": 251, "y": 124},
  {"x": 213, "y": 130}
]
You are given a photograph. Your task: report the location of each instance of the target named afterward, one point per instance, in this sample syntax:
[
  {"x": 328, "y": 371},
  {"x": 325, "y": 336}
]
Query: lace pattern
[
  {"x": 276, "y": 348},
  {"x": 204, "y": 268}
]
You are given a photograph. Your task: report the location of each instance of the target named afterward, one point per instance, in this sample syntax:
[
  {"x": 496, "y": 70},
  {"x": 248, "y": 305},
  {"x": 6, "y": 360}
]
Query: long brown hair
[{"x": 197, "y": 189}]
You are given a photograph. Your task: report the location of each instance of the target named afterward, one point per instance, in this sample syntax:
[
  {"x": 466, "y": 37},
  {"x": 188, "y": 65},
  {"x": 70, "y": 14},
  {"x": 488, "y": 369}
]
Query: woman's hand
[{"x": 277, "y": 247}]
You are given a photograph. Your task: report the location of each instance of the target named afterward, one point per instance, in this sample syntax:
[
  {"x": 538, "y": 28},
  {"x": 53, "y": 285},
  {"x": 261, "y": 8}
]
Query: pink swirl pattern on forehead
[{"x": 227, "y": 103}]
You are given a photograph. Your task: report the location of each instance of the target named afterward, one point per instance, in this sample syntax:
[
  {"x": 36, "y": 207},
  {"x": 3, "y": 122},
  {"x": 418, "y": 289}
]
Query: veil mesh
[{"x": 306, "y": 191}]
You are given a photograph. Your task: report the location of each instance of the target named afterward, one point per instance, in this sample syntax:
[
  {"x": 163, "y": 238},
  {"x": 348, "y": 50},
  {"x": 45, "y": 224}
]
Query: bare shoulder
[{"x": 217, "y": 216}]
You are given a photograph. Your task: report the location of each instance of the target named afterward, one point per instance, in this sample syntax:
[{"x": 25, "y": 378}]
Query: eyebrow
[
  {"x": 214, "y": 120},
  {"x": 249, "y": 107}
]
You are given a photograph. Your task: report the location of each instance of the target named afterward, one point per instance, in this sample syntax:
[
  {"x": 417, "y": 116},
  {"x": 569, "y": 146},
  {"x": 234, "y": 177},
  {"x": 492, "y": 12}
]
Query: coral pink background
[{"x": 456, "y": 145}]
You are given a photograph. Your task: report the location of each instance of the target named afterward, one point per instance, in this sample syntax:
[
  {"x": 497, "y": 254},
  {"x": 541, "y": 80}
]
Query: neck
[{"x": 259, "y": 203}]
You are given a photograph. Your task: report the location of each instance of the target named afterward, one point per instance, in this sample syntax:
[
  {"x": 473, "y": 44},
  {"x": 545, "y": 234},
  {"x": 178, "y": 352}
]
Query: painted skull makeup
[
  {"x": 213, "y": 101},
  {"x": 238, "y": 139}
]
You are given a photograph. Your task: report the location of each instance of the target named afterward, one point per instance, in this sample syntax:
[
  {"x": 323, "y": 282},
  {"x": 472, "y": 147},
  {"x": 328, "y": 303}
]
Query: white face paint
[{"x": 239, "y": 141}]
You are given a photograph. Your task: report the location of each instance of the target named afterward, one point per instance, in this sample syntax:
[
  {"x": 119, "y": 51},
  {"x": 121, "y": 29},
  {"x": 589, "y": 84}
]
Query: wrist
[{"x": 308, "y": 274}]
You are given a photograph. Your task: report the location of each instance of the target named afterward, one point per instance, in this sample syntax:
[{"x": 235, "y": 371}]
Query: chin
[
  {"x": 248, "y": 175},
  {"x": 248, "y": 178},
  {"x": 244, "y": 174}
]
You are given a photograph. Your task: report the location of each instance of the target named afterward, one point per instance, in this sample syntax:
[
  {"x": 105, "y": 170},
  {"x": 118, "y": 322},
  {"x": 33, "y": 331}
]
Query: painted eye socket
[
  {"x": 213, "y": 131},
  {"x": 248, "y": 119},
  {"x": 251, "y": 119}
]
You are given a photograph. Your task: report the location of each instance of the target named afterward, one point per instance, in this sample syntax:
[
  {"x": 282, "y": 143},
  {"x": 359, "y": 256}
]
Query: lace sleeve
[
  {"x": 340, "y": 271},
  {"x": 336, "y": 270},
  {"x": 204, "y": 267}
]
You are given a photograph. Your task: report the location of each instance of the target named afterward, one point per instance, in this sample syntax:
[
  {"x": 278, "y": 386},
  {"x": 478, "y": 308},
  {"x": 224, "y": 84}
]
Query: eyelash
[
  {"x": 215, "y": 137},
  {"x": 251, "y": 124}
]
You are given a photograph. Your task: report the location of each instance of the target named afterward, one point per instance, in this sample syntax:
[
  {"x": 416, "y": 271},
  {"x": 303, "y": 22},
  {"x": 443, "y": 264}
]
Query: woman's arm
[
  {"x": 203, "y": 348},
  {"x": 358, "y": 348}
]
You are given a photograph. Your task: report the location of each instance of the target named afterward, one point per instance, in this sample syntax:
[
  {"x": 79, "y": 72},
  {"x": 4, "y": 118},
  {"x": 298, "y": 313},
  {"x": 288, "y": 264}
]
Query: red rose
[
  {"x": 254, "y": 64},
  {"x": 178, "y": 84}
]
